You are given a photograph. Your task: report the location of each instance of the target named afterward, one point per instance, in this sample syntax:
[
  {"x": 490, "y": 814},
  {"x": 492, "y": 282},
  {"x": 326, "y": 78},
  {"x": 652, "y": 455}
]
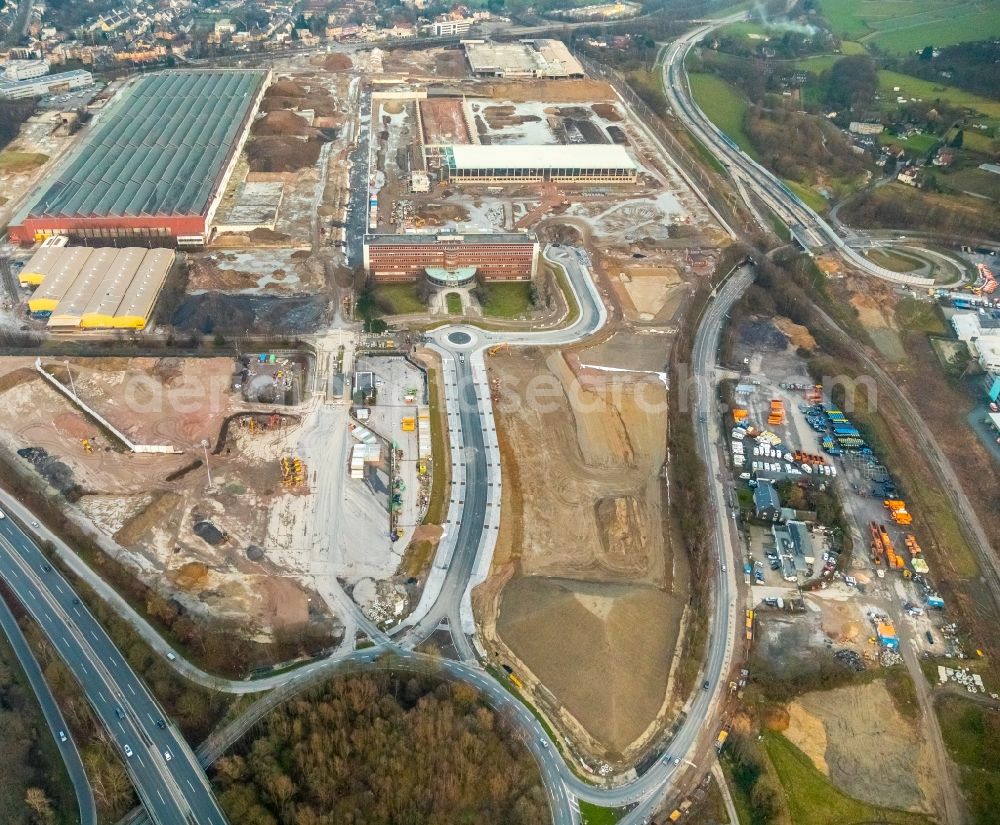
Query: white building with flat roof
[
  {"x": 14, "y": 70},
  {"x": 574, "y": 163},
  {"x": 46, "y": 84}
]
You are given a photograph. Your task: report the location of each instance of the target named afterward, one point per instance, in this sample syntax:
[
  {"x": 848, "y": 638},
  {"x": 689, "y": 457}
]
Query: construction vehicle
[
  {"x": 897, "y": 509},
  {"x": 720, "y": 740},
  {"x": 777, "y": 415},
  {"x": 515, "y": 681},
  {"x": 498, "y": 348},
  {"x": 87, "y": 446},
  {"x": 408, "y": 424}
]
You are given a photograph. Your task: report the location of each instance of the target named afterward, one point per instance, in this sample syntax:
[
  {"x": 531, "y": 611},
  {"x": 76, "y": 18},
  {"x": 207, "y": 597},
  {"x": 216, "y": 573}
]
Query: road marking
[
  {"x": 65, "y": 641},
  {"x": 84, "y": 668},
  {"x": 189, "y": 784},
  {"x": 164, "y": 801},
  {"x": 101, "y": 694},
  {"x": 31, "y": 593},
  {"x": 59, "y": 587},
  {"x": 131, "y": 689},
  {"x": 93, "y": 635}
]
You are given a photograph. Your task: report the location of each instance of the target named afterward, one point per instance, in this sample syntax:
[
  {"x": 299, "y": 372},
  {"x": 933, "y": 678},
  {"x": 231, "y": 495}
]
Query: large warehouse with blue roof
[{"x": 155, "y": 165}]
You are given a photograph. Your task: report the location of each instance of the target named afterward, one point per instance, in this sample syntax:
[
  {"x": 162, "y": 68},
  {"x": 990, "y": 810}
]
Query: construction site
[
  {"x": 585, "y": 600},
  {"x": 439, "y": 163},
  {"x": 228, "y": 482}
]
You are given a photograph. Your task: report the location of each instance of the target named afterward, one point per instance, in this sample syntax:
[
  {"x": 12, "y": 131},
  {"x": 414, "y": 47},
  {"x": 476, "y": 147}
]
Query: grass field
[
  {"x": 899, "y": 26},
  {"x": 454, "y": 301},
  {"x": 892, "y": 260},
  {"x": 398, "y": 299},
  {"x": 724, "y": 106},
  {"x": 506, "y": 300},
  {"x": 917, "y": 144},
  {"x": 16, "y": 162},
  {"x": 972, "y": 733},
  {"x": 811, "y": 797},
  {"x": 976, "y": 181},
  {"x": 926, "y": 90},
  {"x": 591, "y": 814},
  {"x": 438, "y": 504},
  {"x": 813, "y": 199}
]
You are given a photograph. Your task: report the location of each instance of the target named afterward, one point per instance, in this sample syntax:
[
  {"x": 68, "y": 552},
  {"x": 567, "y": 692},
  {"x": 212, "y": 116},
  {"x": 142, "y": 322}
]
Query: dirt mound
[
  {"x": 286, "y": 87},
  {"x": 15, "y": 378},
  {"x": 281, "y": 122},
  {"x": 192, "y": 576},
  {"x": 621, "y": 522},
  {"x": 281, "y": 153},
  {"x": 214, "y": 312},
  {"x": 595, "y": 647},
  {"x": 263, "y": 235},
  {"x": 607, "y": 111},
  {"x": 797, "y": 334},
  {"x": 337, "y": 63},
  {"x": 209, "y": 532},
  {"x": 158, "y": 512}
]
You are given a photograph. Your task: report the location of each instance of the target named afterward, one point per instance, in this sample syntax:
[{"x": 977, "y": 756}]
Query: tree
[
  {"x": 927, "y": 53},
  {"x": 959, "y": 139},
  {"x": 41, "y": 807},
  {"x": 853, "y": 82}
]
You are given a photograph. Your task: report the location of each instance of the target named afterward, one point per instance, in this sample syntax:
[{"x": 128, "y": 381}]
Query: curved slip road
[{"x": 53, "y": 716}]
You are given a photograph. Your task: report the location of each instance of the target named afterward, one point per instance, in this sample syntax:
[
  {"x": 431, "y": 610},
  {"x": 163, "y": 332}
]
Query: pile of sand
[{"x": 281, "y": 122}]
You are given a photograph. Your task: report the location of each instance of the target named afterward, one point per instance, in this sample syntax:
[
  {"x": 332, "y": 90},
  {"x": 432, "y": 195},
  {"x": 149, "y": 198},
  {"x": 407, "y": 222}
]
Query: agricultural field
[{"x": 900, "y": 26}]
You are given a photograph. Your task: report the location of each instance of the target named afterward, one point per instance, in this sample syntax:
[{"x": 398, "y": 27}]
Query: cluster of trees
[
  {"x": 800, "y": 147},
  {"x": 972, "y": 66},
  {"x": 749, "y": 771},
  {"x": 912, "y": 209},
  {"x": 851, "y": 84},
  {"x": 32, "y": 783},
  {"x": 12, "y": 114},
  {"x": 382, "y": 749}
]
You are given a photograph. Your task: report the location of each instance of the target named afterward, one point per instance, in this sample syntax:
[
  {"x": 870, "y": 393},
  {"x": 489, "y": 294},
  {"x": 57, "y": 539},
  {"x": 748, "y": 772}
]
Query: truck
[{"x": 720, "y": 740}]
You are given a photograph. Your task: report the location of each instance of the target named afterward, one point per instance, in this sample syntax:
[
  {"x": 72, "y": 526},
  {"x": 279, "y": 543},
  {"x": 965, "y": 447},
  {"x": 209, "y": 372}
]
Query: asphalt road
[
  {"x": 808, "y": 228},
  {"x": 53, "y": 716},
  {"x": 174, "y": 791}
]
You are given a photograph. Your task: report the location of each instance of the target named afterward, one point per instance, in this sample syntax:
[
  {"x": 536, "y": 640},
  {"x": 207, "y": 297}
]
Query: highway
[
  {"x": 174, "y": 791},
  {"x": 808, "y": 228},
  {"x": 471, "y": 514},
  {"x": 53, "y": 716}
]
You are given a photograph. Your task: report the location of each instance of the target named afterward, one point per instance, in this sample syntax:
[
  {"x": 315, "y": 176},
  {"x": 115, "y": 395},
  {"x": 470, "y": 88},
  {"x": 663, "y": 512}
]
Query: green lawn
[
  {"x": 813, "y": 800},
  {"x": 813, "y": 199},
  {"x": 454, "y": 301},
  {"x": 724, "y": 106},
  {"x": 892, "y": 260},
  {"x": 899, "y": 26},
  {"x": 591, "y": 814},
  {"x": 507, "y": 300},
  {"x": 398, "y": 299},
  {"x": 916, "y": 145},
  {"x": 15, "y": 162},
  {"x": 926, "y": 90}
]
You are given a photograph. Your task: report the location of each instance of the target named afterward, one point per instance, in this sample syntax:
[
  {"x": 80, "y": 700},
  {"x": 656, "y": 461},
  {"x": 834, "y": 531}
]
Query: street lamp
[{"x": 208, "y": 471}]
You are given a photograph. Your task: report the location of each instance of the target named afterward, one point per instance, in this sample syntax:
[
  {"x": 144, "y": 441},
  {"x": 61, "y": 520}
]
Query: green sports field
[{"x": 926, "y": 90}]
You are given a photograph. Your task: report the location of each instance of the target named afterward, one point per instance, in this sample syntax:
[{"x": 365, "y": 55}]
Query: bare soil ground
[
  {"x": 148, "y": 503},
  {"x": 857, "y": 737},
  {"x": 555, "y": 91},
  {"x": 582, "y": 544},
  {"x": 444, "y": 121}
]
